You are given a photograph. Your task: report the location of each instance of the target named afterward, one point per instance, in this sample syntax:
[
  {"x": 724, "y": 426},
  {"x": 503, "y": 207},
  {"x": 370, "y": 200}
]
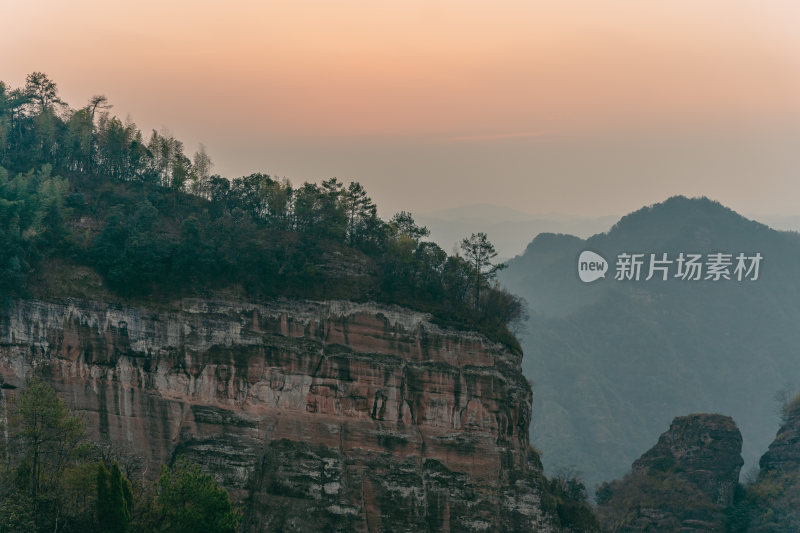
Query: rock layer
[{"x": 320, "y": 416}]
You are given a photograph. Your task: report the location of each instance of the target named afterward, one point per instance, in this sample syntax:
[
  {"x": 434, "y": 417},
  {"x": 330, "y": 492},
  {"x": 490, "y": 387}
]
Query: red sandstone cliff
[{"x": 319, "y": 416}]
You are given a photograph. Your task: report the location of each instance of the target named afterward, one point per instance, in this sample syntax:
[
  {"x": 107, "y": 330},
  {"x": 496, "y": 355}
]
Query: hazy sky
[{"x": 571, "y": 106}]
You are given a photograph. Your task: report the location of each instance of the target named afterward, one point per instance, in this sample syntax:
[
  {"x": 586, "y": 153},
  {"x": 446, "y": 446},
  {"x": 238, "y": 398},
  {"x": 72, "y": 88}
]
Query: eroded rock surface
[{"x": 319, "y": 416}]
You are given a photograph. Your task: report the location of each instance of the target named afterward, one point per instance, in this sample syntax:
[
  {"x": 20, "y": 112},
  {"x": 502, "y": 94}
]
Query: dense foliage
[
  {"x": 154, "y": 222},
  {"x": 52, "y": 479},
  {"x": 572, "y": 508},
  {"x": 186, "y": 499},
  {"x": 662, "y": 500}
]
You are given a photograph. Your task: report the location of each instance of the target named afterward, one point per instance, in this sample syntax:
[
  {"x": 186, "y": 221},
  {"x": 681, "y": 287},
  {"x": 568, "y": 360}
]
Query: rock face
[
  {"x": 773, "y": 501},
  {"x": 326, "y": 416},
  {"x": 784, "y": 452},
  {"x": 705, "y": 449},
  {"x": 684, "y": 483}
]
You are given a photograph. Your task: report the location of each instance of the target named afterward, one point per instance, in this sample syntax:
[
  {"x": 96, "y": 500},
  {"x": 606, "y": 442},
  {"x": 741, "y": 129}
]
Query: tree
[
  {"x": 201, "y": 170},
  {"x": 403, "y": 225},
  {"x": 181, "y": 166},
  {"x": 358, "y": 209},
  {"x": 12, "y": 108},
  {"x": 43, "y": 435},
  {"x": 112, "y": 145},
  {"x": 572, "y": 506},
  {"x": 252, "y": 194},
  {"x": 45, "y": 443},
  {"x": 188, "y": 500},
  {"x": 5, "y": 118},
  {"x": 168, "y": 163},
  {"x": 219, "y": 190},
  {"x": 479, "y": 252},
  {"x": 96, "y": 102},
  {"x": 41, "y": 91},
  {"x": 318, "y": 210},
  {"x": 80, "y": 141},
  {"x": 114, "y": 499},
  {"x": 332, "y": 219}
]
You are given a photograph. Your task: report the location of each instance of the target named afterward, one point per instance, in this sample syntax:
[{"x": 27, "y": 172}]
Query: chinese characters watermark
[{"x": 715, "y": 266}]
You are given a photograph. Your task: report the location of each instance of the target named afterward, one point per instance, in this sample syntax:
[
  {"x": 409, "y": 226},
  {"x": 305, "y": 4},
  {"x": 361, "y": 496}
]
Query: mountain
[
  {"x": 330, "y": 370},
  {"x": 613, "y": 361},
  {"x": 508, "y": 229}
]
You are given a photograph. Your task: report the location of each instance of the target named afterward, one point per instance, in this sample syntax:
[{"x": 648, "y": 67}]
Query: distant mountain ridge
[{"x": 614, "y": 361}]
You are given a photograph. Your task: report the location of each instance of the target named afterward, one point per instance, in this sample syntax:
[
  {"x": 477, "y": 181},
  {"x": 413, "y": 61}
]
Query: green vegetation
[
  {"x": 155, "y": 223},
  {"x": 770, "y": 505},
  {"x": 43, "y": 456},
  {"x": 564, "y": 497},
  {"x": 52, "y": 479},
  {"x": 479, "y": 253},
  {"x": 568, "y": 496},
  {"x": 114, "y": 499},
  {"x": 186, "y": 499},
  {"x": 659, "y": 499}
]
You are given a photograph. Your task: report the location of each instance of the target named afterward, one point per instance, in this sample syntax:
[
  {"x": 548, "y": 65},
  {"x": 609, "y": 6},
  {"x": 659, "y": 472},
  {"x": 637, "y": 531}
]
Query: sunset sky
[{"x": 579, "y": 107}]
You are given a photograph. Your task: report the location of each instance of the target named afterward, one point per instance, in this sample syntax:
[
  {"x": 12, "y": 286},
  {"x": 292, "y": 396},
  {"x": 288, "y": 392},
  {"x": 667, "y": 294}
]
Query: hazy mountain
[
  {"x": 614, "y": 361},
  {"x": 508, "y": 229}
]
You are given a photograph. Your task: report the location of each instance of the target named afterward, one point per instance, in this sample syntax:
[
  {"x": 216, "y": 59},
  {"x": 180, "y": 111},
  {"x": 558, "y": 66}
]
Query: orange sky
[{"x": 519, "y": 103}]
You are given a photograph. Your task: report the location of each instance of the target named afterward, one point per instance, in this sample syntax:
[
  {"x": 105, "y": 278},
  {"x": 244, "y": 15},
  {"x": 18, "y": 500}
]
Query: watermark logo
[
  {"x": 629, "y": 266},
  {"x": 716, "y": 266},
  {"x": 591, "y": 266}
]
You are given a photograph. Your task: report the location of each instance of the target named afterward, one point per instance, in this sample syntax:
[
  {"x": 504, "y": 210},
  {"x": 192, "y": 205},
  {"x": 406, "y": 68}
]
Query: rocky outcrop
[
  {"x": 784, "y": 452},
  {"x": 319, "y": 416},
  {"x": 772, "y": 502},
  {"x": 684, "y": 483},
  {"x": 704, "y": 449}
]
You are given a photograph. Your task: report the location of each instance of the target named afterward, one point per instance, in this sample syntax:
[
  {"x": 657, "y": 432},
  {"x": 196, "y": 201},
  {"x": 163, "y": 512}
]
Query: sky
[{"x": 569, "y": 106}]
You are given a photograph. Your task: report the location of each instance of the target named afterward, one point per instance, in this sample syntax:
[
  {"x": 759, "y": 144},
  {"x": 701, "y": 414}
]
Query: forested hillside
[{"x": 83, "y": 193}]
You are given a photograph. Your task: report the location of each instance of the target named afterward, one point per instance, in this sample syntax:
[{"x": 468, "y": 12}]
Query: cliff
[
  {"x": 686, "y": 482},
  {"x": 772, "y": 502},
  {"x": 318, "y": 416}
]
